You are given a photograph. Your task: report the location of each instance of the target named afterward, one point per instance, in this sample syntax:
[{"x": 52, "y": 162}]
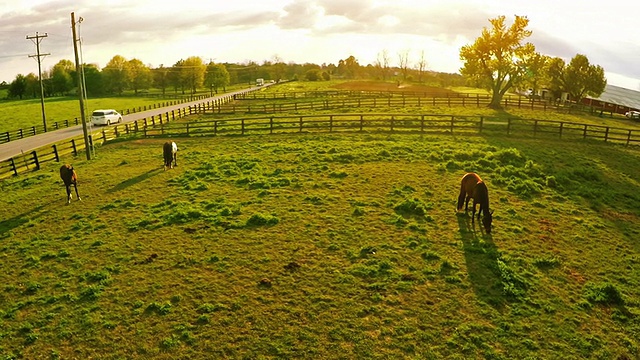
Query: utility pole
[
  {"x": 36, "y": 40},
  {"x": 87, "y": 146}
]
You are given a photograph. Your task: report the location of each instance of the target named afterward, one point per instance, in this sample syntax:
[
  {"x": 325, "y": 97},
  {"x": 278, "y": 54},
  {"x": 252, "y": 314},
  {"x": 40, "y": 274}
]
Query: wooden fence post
[
  {"x": 73, "y": 146},
  {"x": 271, "y": 125},
  {"x": 13, "y": 167},
  {"x": 35, "y": 160},
  {"x": 452, "y": 121},
  {"x": 104, "y": 136},
  {"x": 508, "y": 126},
  {"x": 55, "y": 153},
  {"x": 33, "y": 130},
  {"x": 629, "y": 138},
  {"x": 187, "y": 129},
  {"x": 421, "y": 123},
  {"x": 561, "y": 127},
  {"x": 481, "y": 125},
  {"x": 392, "y": 123},
  {"x": 606, "y": 135},
  {"x": 8, "y": 136},
  {"x": 300, "y": 124},
  {"x": 242, "y": 127},
  {"x": 584, "y": 132},
  {"x": 215, "y": 127},
  {"x": 535, "y": 128}
]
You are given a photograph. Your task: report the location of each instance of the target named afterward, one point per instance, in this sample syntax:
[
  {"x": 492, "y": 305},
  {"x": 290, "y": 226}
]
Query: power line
[{"x": 14, "y": 55}]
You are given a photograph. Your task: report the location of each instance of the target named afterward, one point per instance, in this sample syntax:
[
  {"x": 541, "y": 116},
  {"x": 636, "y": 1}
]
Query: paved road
[{"x": 14, "y": 148}]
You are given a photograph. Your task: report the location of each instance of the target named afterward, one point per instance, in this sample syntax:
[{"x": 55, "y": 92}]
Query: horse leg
[
  {"x": 175, "y": 159},
  {"x": 75, "y": 186},
  {"x": 466, "y": 204},
  {"x": 68, "y": 187},
  {"x": 473, "y": 212}
]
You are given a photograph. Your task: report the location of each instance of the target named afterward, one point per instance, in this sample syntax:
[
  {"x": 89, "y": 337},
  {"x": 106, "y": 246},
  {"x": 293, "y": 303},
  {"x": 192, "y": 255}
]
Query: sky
[{"x": 312, "y": 31}]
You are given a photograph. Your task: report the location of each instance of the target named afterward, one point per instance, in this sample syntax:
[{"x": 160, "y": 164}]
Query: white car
[
  {"x": 632, "y": 114},
  {"x": 105, "y": 117}
]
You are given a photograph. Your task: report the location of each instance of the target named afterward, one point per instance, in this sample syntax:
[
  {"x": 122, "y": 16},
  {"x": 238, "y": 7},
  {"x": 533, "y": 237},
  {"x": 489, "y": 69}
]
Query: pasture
[{"x": 325, "y": 246}]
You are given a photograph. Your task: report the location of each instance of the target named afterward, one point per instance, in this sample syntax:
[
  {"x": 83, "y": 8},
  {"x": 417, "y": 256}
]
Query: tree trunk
[{"x": 496, "y": 99}]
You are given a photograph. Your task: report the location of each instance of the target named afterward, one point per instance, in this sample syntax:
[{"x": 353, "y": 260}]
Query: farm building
[{"x": 615, "y": 99}]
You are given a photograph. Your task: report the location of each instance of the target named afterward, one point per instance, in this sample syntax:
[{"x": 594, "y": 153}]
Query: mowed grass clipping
[{"x": 337, "y": 247}]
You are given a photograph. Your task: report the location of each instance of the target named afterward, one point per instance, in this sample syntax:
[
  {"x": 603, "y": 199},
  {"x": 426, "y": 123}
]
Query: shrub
[
  {"x": 411, "y": 207},
  {"x": 261, "y": 220},
  {"x": 161, "y": 309},
  {"x": 605, "y": 293},
  {"x": 547, "y": 262}
]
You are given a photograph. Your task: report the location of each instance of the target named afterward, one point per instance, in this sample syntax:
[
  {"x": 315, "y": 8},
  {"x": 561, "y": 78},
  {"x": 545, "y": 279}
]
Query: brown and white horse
[
  {"x": 169, "y": 152},
  {"x": 69, "y": 177},
  {"x": 472, "y": 186}
]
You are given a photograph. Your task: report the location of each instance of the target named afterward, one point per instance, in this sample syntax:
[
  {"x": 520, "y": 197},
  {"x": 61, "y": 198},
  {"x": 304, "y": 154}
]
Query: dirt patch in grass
[{"x": 394, "y": 87}]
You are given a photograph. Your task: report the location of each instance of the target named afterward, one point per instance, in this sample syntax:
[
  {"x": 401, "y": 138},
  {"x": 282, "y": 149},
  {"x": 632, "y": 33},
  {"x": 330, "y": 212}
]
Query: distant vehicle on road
[
  {"x": 632, "y": 114},
  {"x": 259, "y": 82},
  {"x": 105, "y": 117}
]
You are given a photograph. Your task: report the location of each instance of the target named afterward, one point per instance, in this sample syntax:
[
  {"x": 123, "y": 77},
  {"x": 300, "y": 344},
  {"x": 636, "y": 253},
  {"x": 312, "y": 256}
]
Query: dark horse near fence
[
  {"x": 472, "y": 186},
  {"x": 69, "y": 177},
  {"x": 169, "y": 152}
]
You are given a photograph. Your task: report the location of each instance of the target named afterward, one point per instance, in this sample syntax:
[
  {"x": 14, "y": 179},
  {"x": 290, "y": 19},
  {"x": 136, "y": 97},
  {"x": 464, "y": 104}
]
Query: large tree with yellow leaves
[{"x": 499, "y": 59}]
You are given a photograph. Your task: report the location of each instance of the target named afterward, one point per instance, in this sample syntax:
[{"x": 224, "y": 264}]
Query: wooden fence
[
  {"x": 400, "y": 123},
  {"x": 338, "y": 103},
  {"x": 163, "y": 125}
]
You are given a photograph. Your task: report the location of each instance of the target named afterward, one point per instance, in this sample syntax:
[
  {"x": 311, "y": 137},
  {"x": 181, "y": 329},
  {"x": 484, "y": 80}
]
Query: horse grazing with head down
[
  {"x": 472, "y": 186},
  {"x": 169, "y": 152},
  {"x": 69, "y": 177}
]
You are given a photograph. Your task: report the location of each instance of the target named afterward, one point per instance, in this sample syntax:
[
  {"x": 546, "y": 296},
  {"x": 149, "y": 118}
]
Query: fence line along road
[{"x": 28, "y": 144}]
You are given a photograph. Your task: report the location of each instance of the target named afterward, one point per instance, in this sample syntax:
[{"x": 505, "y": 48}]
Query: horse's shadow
[
  {"x": 481, "y": 256},
  {"x": 9, "y": 224},
  {"x": 129, "y": 182}
]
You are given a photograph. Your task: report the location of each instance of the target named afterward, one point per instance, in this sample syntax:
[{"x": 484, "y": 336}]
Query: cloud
[{"x": 445, "y": 21}]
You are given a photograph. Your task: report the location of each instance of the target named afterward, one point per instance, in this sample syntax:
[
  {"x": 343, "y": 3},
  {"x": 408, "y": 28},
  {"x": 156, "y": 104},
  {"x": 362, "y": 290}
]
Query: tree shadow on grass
[
  {"x": 481, "y": 256},
  {"x": 129, "y": 182}
]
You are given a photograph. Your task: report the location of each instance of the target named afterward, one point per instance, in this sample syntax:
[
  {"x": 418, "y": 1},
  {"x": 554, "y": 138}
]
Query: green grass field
[
  {"x": 342, "y": 246},
  {"x": 329, "y": 246}
]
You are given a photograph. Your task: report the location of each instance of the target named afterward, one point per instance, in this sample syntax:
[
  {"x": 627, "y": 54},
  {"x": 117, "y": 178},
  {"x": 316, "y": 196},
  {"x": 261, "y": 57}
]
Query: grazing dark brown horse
[
  {"x": 472, "y": 186},
  {"x": 69, "y": 177},
  {"x": 169, "y": 152}
]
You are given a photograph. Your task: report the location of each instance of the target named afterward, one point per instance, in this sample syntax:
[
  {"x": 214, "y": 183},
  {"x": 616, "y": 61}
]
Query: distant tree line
[{"x": 190, "y": 75}]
